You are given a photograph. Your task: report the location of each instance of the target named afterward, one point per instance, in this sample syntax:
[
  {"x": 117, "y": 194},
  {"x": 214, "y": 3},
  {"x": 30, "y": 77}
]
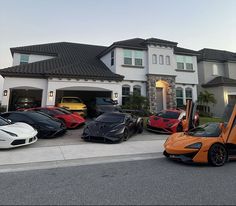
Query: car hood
[
  {"x": 20, "y": 129},
  {"x": 73, "y": 106},
  {"x": 159, "y": 121},
  {"x": 101, "y": 128},
  {"x": 182, "y": 139}
]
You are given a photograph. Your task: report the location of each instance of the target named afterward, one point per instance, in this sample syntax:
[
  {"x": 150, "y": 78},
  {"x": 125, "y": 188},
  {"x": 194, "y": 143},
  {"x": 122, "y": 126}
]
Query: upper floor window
[
  {"x": 184, "y": 62},
  {"x": 137, "y": 90},
  {"x": 127, "y": 57},
  {"x": 112, "y": 58},
  {"x": 189, "y": 62},
  {"x": 154, "y": 59},
  {"x": 215, "y": 69},
  {"x": 132, "y": 57},
  {"x": 168, "y": 60},
  {"x": 179, "y": 97},
  {"x": 24, "y": 58},
  {"x": 161, "y": 59},
  {"x": 138, "y": 58}
]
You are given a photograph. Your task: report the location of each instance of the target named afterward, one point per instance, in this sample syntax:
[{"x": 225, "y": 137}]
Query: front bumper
[
  {"x": 101, "y": 138},
  {"x": 187, "y": 157},
  {"x": 159, "y": 129}
]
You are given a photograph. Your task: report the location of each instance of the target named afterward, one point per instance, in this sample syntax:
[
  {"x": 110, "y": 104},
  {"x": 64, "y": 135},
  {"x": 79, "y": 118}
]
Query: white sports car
[{"x": 16, "y": 135}]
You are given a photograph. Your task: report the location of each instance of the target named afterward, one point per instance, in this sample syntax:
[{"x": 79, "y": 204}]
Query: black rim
[{"x": 218, "y": 155}]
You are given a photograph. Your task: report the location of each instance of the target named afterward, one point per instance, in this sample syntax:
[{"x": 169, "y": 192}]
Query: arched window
[
  {"x": 154, "y": 59},
  {"x": 137, "y": 90},
  {"x": 179, "y": 97},
  {"x": 161, "y": 59},
  {"x": 125, "y": 93},
  {"x": 188, "y": 93},
  {"x": 167, "y": 60}
]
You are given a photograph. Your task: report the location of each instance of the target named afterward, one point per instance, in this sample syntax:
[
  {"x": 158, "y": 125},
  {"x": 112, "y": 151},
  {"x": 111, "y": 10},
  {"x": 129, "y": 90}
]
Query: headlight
[
  {"x": 170, "y": 125},
  {"x": 10, "y": 133},
  {"x": 197, "y": 145},
  {"x": 49, "y": 127}
]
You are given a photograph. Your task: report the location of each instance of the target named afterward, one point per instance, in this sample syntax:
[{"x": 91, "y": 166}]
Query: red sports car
[
  {"x": 169, "y": 121},
  {"x": 70, "y": 119}
]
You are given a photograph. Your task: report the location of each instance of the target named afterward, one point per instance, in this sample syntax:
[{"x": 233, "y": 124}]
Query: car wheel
[
  {"x": 140, "y": 128},
  {"x": 125, "y": 135},
  {"x": 179, "y": 128},
  {"x": 217, "y": 155}
]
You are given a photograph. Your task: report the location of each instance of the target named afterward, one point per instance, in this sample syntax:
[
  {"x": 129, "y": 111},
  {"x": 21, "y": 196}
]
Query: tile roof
[
  {"x": 70, "y": 60},
  {"x": 220, "y": 81},
  {"x": 216, "y": 55}
]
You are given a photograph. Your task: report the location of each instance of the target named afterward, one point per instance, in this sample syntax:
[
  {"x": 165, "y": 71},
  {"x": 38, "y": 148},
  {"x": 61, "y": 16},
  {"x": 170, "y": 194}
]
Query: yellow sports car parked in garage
[{"x": 74, "y": 104}]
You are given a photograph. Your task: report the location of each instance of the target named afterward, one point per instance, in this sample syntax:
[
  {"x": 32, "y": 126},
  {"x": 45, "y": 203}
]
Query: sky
[{"x": 194, "y": 24}]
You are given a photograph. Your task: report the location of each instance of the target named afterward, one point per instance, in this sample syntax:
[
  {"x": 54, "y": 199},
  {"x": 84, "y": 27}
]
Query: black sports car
[
  {"x": 113, "y": 127},
  {"x": 46, "y": 126}
]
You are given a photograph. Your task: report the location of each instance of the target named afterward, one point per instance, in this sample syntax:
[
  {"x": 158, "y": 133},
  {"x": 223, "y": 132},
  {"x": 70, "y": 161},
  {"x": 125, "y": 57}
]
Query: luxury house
[
  {"x": 217, "y": 75},
  {"x": 159, "y": 69}
]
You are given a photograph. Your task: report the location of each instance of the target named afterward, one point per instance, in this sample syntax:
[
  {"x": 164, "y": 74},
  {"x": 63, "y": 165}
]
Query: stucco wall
[
  {"x": 106, "y": 59},
  {"x": 32, "y": 58}
]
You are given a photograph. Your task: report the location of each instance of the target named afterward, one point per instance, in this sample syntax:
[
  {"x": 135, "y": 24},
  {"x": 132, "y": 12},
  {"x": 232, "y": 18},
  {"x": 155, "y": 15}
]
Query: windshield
[
  {"x": 110, "y": 118},
  {"x": 38, "y": 116},
  {"x": 206, "y": 130},
  {"x": 71, "y": 100},
  {"x": 104, "y": 101},
  {"x": 3, "y": 122},
  {"x": 168, "y": 114}
]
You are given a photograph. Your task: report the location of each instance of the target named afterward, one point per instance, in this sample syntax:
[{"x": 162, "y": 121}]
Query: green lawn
[{"x": 204, "y": 120}]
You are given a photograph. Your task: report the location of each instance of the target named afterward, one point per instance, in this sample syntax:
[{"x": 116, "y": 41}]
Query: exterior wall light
[
  {"x": 116, "y": 95},
  {"x": 5, "y": 93},
  {"x": 51, "y": 94}
]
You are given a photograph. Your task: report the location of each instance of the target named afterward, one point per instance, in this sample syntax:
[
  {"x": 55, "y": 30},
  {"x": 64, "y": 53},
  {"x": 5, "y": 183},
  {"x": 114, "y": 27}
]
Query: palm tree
[{"x": 205, "y": 98}]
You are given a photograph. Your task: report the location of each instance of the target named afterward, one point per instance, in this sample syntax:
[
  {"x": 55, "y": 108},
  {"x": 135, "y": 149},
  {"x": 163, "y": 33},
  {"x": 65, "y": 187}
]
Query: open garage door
[
  {"x": 85, "y": 96},
  {"x": 22, "y": 97}
]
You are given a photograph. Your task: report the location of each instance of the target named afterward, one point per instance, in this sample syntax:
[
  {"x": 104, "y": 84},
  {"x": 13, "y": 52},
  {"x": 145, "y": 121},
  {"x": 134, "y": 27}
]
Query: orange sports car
[{"x": 213, "y": 143}]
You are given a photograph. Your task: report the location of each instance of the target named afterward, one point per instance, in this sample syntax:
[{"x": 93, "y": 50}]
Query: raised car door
[
  {"x": 229, "y": 133},
  {"x": 188, "y": 122}
]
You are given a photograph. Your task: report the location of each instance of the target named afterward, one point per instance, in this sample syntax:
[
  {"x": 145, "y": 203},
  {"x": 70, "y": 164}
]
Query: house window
[
  {"x": 168, "y": 60},
  {"x": 215, "y": 70},
  {"x": 154, "y": 59},
  {"x": 127, "y": 57},
  {"x": 180, "y": 65},
  {"x": 24, "y": 59},
  {"x": 137, "y": 90},
  {"x": 189, "y": 62},
  {"x": 188, "y": 93},
  {"x": 112, "y": 58},
  {"x": 125, "y": 94},
  {"x": 179, "y": 97},
  {"x": 161, "y": 59},
  {"x": 138, "y": 58}
]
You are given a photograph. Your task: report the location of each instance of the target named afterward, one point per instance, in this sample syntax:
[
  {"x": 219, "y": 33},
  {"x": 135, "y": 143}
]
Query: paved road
[{"x": 156, "y": 181}]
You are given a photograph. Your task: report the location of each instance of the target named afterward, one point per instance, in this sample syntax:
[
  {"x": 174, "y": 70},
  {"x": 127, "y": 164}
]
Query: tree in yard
[{"x": 205, "y": 98}]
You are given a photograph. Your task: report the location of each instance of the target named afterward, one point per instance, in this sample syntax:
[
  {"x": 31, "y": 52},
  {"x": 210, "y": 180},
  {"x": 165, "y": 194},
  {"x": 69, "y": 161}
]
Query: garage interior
[{"x": 15, "y": 94}]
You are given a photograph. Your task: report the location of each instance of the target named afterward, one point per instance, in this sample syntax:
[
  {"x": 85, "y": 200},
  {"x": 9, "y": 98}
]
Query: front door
[{"x": 159, "y": 99}]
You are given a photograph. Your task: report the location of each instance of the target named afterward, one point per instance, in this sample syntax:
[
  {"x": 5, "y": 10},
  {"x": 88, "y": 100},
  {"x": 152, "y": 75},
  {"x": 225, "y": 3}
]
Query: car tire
[
  {"x": 125, "y": 135},
  {"x": 217, "y": 155},
  {"x": 140, "y": 128},
  {"x": 179, "y": 128}
]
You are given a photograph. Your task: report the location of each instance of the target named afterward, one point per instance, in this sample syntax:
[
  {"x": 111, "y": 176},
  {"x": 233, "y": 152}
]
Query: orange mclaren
[{"x": 213, "y": 143}]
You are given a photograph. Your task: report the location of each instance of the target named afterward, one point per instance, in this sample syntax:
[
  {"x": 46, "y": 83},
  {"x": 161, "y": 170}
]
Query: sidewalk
[{"x": 22, "y": 156}]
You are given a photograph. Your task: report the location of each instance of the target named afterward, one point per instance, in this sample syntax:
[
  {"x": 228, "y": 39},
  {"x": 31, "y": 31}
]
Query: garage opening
[{"x": 24, "y": 98}]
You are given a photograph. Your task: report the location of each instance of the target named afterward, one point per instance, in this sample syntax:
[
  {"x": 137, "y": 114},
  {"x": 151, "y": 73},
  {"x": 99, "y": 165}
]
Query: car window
[
  {"x": 64, "y": 111},
  {"x": 206, "y": 130},
  {"x": 104, "y": 101},
  {"x": 16, "y": 117},
  {"x": 168, "y": 114},
  {"x": 110, "y": 118}
]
